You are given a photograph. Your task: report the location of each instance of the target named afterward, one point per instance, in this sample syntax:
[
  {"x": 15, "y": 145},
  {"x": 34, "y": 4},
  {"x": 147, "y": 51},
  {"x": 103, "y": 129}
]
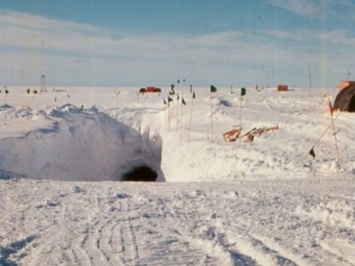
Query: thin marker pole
[
  {"x": 192, "y": 103},
  {"x": 211, "y": 117},
  {"x": 334, "y": 131},
  {"x": 240, "y": 118},
  {"x": 325, "y": 131}
]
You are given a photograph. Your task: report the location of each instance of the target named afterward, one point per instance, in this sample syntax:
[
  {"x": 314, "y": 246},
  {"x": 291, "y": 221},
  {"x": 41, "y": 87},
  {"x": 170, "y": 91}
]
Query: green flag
[
  {"x": 243, "y": 92},
  {"x": 178, "y": 98},
  {"x": 213, "y": 88},
  {"x": 183, "y": 101},
  {"x": 312, "y": 153},
  {"x": 170, "y": 99},
  {"x": 193, "y": 95},
  {"x": 164, "y": 102}
]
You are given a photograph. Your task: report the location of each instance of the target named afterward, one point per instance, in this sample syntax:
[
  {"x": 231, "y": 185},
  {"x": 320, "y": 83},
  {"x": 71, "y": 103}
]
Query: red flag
[{"x": 331, "y": 109}]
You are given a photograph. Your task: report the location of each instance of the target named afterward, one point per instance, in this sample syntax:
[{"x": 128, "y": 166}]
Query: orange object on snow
[
  {"x": 282, "y": 88},
  {"x": 232, "y": 135},
  {"x": 250, "y": 138}
]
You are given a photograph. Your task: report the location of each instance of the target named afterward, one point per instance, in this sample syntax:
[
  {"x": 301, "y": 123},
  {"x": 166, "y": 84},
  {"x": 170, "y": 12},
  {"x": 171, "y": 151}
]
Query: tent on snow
[{"x": 345, "y": 100}]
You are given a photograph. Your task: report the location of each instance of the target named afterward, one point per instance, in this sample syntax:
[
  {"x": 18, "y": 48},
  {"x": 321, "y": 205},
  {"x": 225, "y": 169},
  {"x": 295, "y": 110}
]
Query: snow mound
[{"x": 81, "y": 145}]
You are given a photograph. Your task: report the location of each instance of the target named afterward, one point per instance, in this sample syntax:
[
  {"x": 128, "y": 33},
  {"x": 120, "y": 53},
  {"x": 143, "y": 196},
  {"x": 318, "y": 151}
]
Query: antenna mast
[{"x": 43, "y": 83}]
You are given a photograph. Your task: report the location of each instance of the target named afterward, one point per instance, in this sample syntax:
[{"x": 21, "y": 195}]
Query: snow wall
[{"x": 81, "y": 145}]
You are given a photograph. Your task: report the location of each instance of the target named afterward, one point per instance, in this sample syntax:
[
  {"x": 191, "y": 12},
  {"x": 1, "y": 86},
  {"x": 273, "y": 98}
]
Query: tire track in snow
[
  {"x": 73, "y": 258},
  {"x": 250, "y": 250},
  {"x": 223, "y": 239},
  {"x": 117, "y": 241},
  {"x": 129, "y": 253},
  {"x": 175, "y": 246},
  {"x": 111, "y": 240},
  {"x": 87, "y": 257},
  {"x": 237, "y": 236},
  {"x": 77, "y": 251},
  {"x": 174, "y": 242},
  {"x": 113, "y": 245},
  {"x": 93, "y": 245},
  {"x": 35, "y": 221},
  {"x": 179, "y": 245},
  {"x": 73, "y": 252},
  {"x": 108, "y": 245},
  {"x": 100, "y": 237},
  {"x": 280, "y": 252},
  {"x": 276, "y": 253},
  {"x": 156, "y": 242},
  {"x": 205, "y": 250},
  {"x": 86, "y": 250},
  {"x": 339, "y": 253}
]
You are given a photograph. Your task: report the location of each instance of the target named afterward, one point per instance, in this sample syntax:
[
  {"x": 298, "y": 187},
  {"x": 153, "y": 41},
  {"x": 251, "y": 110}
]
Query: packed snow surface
[{"x": 64, "y": 152}]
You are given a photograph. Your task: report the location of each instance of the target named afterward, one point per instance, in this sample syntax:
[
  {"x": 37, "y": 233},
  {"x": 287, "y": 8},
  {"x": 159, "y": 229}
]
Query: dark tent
[
  {"x": 213, "y": 88},
  {"x": 345, "y": 100}
]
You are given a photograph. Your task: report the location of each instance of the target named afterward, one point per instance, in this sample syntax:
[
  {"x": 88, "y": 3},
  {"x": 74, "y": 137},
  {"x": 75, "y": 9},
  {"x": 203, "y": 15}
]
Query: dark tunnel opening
[{"x": 140, "y": 174}]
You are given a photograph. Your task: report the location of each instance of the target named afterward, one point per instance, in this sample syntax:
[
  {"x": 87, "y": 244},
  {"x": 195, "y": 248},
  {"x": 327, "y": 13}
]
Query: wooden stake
[
  {"x": 325, "y": 131},
  {"x": 334, "y": 131},
  {"x": 181, "y": 111},
  {"x": 177, "y": 112},
  {"x": 165, "y": 116},
  {"x": 212, "y": 137},
  {"x": 192, "y": 103},
  {"x": 240, "y": 118},
  {"x": 168, "y": 114}
]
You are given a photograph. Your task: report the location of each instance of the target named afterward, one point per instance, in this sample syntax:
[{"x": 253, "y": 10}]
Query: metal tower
[{"x": 43, "y": 83}]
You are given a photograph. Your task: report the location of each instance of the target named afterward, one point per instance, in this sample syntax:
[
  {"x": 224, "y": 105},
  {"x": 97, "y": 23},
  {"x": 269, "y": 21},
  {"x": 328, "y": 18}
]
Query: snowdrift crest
[{"x": 85, "y": 145}]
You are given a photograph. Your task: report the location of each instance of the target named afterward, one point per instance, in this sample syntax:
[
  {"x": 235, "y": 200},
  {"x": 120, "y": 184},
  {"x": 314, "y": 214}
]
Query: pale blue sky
[{"x": 156, "y": 42}]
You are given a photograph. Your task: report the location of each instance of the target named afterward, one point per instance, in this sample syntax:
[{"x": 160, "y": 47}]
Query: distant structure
[
  {"x": 345, "y": 83},
  {"x": 43, "y": 83},
  {"x": 345, "y": 100},
  {"x": 282, "y": 87},
  {"x": 149, "y": 89}
]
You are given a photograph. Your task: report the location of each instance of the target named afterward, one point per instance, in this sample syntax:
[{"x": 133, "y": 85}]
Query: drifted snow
[
  {"x": 279, "y": 222},
  {"x": 265, "y": 203},
  {"x": 78, "y": 145}
]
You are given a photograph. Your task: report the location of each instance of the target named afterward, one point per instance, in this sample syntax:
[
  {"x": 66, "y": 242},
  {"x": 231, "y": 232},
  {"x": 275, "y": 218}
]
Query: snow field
[
  {"x": 276, "y": 222},
  {"x": 262, "y": 203}
]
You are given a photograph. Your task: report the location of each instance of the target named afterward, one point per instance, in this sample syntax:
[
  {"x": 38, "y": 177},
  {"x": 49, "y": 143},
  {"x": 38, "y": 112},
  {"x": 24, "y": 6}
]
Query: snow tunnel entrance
[
  {"x": 83, "y": 146},
  {"x": 141, "y": 174},
  {"x": 351, "y": 103}
]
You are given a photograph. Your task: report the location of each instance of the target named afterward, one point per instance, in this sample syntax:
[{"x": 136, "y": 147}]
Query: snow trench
[{"x": 82, "y": 145}]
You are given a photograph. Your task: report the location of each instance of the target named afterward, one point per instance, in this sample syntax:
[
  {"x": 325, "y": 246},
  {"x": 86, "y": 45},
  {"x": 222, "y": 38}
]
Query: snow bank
[
  {"x": 54, "y": 139},
  {"x": 293, "y": 210},
  {"x": 80, "y": 145}
]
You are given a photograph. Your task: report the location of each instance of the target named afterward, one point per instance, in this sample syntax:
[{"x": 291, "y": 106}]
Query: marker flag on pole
[
  {"x": 183, "y": 101},
  {"x": 193, "y": 95},
  {"x": 170, "y": 99},
  {"x": 331, "y": 109},
  {"x": 312, "y": 153},
  {"x": 178, "y": 98},
  {"x": 213, "y": 88},
  {"x": 243, "y": 92},
  {"x": 164, "y": 102}
]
